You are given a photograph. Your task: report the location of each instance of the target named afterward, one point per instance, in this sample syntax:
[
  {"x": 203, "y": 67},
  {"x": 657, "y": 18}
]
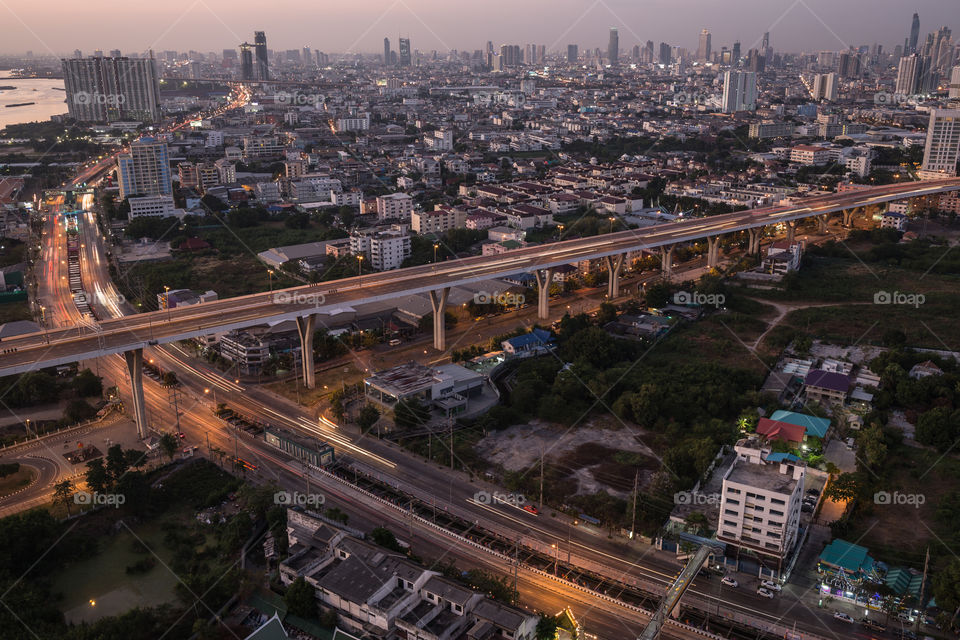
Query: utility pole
[
  {"x": 541, "y": 477},
  {"x": 923, "y": 583},
  {"x": 633, "y": 521},
  {"x": 516, "y": 569},
  {"x": 450, "y": 423}
]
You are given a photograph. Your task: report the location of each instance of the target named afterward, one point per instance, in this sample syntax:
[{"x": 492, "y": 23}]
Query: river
[{"x": 48, "y": 95}]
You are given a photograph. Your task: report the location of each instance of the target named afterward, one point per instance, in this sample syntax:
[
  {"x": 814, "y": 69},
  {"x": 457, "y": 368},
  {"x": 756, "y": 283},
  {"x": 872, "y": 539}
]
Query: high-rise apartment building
[
  {"x": 145, "y": 170},
  {"x": 386, "y": 51},
  {"x": 665, "y": 56},
  {"x": 915, "y": 76},
  {"x": 405, "y": 59},
  {"x": 825, "y": 87},
  {"x": 109, "y": 89},
  {"x": 613, "y": 47},
  {"x": 914, "y": 34},
  {"x": 739, "y": 91},
  {"x": 260, "y": 49},
  {"x": 942, "y": 150},
  {"x": 954, "y": 83},
  {"x": 246, "y": 63},
  {"x": 573, "y": 53},
  {"x": 703, "y": 50}
]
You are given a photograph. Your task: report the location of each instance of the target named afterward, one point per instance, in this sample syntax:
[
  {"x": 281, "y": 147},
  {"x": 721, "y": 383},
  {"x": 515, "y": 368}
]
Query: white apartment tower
[
  {"x": 145, "y": 170},
  {"x": 110, "y": 89},
  {"x": 941, "y": 152},
  {"x": 739, "y": 91}
]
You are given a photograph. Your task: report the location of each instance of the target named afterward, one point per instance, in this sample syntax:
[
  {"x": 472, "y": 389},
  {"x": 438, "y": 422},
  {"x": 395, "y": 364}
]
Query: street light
[
  {"x": 270, "y": 274},
  {"x": 359, "y": 268},
  {"x": 435, "y": 247},
  {"x": 166, "y": 300}
]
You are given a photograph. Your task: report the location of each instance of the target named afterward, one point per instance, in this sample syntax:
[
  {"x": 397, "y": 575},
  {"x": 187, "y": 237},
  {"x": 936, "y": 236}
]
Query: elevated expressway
[{"x": 312, "y": 303}]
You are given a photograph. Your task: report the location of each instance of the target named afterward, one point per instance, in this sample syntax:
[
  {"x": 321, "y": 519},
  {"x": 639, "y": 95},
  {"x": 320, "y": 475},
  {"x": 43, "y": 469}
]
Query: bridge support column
[
  {"x": 753, "y": 248},
  {"x": 614, "y": 264},
  {"x": 822, "y": 223},
  {"x": 544, "y": 280},
  {"x": 713, "y": 251},
  {"x": 134, "y": 359},
  {"x": 848, "y": 217},
  {"x": 791, "y": 230},
  {"x": 306, "y": 328},
  {"x": 438, "y": 302},
  {"x": 666, "y": 261}
]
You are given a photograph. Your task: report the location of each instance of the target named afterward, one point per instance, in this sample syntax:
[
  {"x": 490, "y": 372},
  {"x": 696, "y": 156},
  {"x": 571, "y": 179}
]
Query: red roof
[{"x": 776, "y": 430}]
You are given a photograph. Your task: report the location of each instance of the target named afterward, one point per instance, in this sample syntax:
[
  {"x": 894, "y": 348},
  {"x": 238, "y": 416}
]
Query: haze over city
[
  {"x": 423, "y": 320},
  {"x": 60, "y": 26}
]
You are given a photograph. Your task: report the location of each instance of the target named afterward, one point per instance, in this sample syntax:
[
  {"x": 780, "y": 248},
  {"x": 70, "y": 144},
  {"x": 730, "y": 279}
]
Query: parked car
[
  {"x": 839, "y": 615},
  {"x": 730, "y": 582},
  {"x": 765, "y": 593},
  {"x": 771, "y": 585},
  {"x": 531, "y": 509}
]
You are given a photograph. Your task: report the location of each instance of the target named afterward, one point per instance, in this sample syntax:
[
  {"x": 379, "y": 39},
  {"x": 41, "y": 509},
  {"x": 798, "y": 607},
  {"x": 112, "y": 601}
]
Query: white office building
[
  {"x": 158, "y": 206},
  {"x": 942, "y": 148}
]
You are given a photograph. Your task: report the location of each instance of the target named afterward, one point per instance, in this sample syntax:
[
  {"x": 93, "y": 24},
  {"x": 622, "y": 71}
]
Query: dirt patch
[{"x": 596, "y": 456}]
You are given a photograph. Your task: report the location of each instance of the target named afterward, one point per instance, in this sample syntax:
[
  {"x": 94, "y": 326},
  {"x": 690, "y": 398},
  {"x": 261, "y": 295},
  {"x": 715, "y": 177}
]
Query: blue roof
[
  {"x": 816, "y": 427},
  {"x": 535, "y": 337},
  {"x": 780, "y": 457}
]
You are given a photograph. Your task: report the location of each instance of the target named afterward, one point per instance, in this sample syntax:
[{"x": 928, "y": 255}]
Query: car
[
  {"x": 872, "y": 624},
  {"x": 839, "y": 615},
  {"x": 730, "y": 582},
  {"x": 763, "y": 592},
  {"x": 806, "y": 508},
  {"x": 771, "y": 585},
  {"x": 531, "y": 509}
]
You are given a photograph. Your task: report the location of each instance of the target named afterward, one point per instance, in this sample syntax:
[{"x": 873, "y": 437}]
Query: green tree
[
  {"x": 63, "y": 494},
  {"x": 78, "y": 411},
  {"x": 385, "y": 538},
  {"x": 368, "y": 417},
  {"x": 96, "y": 476},
  {"x": 117, "y": 464},
  {"x": 844, "y": 487},
  {"x": 169, "y": 445},
  {"x": 301, "y": 599},
  {"x": 546, "y": 627},
  {"x": 87, "y": 384},
  {"x": 410, "y": 413}
]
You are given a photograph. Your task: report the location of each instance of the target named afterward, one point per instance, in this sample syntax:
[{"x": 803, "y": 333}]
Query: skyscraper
[
  {"x": 246, "y": 62},
  {"x": 735, "y": 55},
  {"x": 109, "y": 89},
  {"x": 739, "y": 91},
  {"x": 405, "y": 59},
  {"x": 849, "y": 65},
  {"x": 914, "y": 34},
  {"x": 664, "y": 53},
  {"x": 386, "y": 51},
  {"x": 703, "y": 50},
  {"x": 954, "y": 83},
  {"x": 145, "y": 170},
  {"x": 825, "y": 87},
  {"x": 613, "y": 47},
  {"x": 913, "y": 75},
  {"x": 260, "y": 49},
  {"x": 942, "y": 150},
  {"x": 572, "y": 53}
]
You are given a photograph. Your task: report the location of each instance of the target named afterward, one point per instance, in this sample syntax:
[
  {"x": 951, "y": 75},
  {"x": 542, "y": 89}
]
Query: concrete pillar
[
  {"x": 666, "y": 261},
  {"x": 713, "y": 251},
  {"x": 848, "y": 217},
  {"x": 438, "y": 302},
  {"x": 754, "y": 246},
  {"x": 544, "y": 279},
  {"x": 134, "y": 360},
  {"x": 306, "y": 328},
  {"x": 791, "y": 230},
  {"x": 822, "y": 222},
  {"x": 614, "y": 264}
]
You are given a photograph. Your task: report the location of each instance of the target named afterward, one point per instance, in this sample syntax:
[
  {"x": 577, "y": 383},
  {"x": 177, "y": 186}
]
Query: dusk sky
[{"x": 60, "y": 26}]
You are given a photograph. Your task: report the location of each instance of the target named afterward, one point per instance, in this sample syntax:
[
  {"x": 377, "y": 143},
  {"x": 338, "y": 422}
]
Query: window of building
[{"x": 777, "y": 501}]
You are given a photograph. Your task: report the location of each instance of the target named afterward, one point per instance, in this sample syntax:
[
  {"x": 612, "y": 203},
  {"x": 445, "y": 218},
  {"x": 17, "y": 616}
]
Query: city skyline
[{"x": 361, "y": 27}]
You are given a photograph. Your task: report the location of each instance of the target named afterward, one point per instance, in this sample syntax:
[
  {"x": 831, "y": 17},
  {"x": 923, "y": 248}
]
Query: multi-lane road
[{"x": 59, "y": 346}]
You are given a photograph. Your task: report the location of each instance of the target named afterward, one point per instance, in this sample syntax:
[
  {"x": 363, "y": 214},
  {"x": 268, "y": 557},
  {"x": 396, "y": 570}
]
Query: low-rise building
[
  {"x": 394, "y": 207},
  {"x": 894, "y": 220},
  {"x": 247, "y": 351},
  {"x": 429, "y": 384},
  {"x": 827, "y": 387},
  {"x": 440, "y": 220},
  {"x": 385, "y": 249},
  {"x": 156, "y": 206}
]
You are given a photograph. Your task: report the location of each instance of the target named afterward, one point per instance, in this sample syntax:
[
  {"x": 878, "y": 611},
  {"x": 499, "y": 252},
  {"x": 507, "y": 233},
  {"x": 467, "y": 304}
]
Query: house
[
  {"x": 782, "y": 257},
  {"x": 924, "y": 370},
  {"x": 846, "y": 559},
  {"x": 537, "y": 341},
  {"x": 782, "y": 431},
  {"x": 827, "y": 387},
  {"x": 813, "y": 427}
]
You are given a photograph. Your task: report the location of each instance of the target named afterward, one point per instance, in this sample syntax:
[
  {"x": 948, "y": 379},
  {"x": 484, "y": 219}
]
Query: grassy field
[
  {"x": 13, "y": 311},
  {"x": 100, "y": 586},
  {"x": 899, "y": 533},
  {"x": 17, "y": 481}
]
